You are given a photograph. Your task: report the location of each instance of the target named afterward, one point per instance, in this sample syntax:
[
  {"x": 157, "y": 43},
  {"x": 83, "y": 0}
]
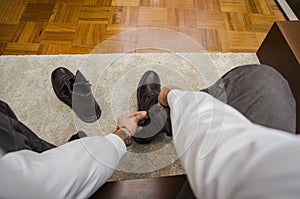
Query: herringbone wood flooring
[{"x": 77, "y": 26}]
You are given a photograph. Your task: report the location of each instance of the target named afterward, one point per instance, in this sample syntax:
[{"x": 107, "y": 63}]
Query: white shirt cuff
[{"x": 118, "y": 143}]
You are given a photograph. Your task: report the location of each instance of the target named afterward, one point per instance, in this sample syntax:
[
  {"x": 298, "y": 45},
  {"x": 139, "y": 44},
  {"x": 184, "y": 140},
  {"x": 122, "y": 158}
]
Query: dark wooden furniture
[
  {"x": 281, "y": 50},
  {"x": 158, "y": 188}
]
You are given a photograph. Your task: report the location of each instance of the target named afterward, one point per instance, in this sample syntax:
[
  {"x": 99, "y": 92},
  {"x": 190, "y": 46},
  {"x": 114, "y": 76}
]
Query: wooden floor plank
[
  {"x": 81, "y": 49},
  {"x": 260, "y": 23},
  {"x": 2, "y": 47},
  {"x": 78, "y": 26},
  {"x": 150, "y": 3},
  {"x": 125, "y": 15},
  {"x": 113, "y": 30},
  {"x": 6, "y": 32},
  {"x": 183, "y": 18},
  {"x": 89, "y": 34},
  {"x": 213, "y": 5},
  {"x": 214, "y": 41},
  {"x": 233, "y": 6},
  {"x": 183, "y": 4},
  {"x": 242, "y": 41},
  {"x": 260, "y": 37},
  {"x": 92, "y": 14},
  {"x": 21, "y": 49},
  {"x": 125, "y": 3},
  {"x": 152, "y": 17},
  {"x": 38, "y": 12},
  {"x": 258, "y": 6},
  {"x": 236, "y": 21},
  {"x": 66, "y": 13},
  {"x": 59, "y": 32},
  {"x": 6, "y": 8},
  {"x": 54, "y": 48},
  {"x": 210, "y": 20},
  {"x": 29, "y": 32}
]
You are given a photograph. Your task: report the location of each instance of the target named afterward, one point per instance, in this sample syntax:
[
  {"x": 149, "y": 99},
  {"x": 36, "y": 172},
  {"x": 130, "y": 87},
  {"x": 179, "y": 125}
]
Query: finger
[
  {"x": 137, "y": 113},
  {"x": 139, "y": 117},
  {"x": 139, "y": 128},
  {"x": 142, "y": 121}
]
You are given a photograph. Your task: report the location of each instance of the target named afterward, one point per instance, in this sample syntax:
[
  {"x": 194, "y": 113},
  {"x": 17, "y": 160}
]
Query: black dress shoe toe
[
  {"x": 62, "y": 82},
  {"x": 147, "y": 97},
  {"x": 148, "y": 90}
]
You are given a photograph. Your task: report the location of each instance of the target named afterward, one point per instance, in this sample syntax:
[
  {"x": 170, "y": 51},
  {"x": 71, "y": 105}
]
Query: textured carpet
[{"x": 25, "y": 85}]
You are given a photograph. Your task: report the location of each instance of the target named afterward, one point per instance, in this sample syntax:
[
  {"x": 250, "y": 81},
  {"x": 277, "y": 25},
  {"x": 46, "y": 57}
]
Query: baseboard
[{"x": 287, "y": 10}]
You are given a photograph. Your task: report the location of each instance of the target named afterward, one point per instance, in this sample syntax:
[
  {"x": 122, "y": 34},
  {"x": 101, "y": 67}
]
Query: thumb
[
  {"x": 139, "y": 117},
  {"x": 139, "y": 128}
]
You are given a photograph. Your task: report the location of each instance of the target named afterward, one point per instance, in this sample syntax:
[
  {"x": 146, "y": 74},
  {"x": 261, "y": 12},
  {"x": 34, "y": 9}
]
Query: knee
[
  {"x": 263, "y": 75},
  {"x": 266, "y": 79},
  {"x": 258, "y": 78}
]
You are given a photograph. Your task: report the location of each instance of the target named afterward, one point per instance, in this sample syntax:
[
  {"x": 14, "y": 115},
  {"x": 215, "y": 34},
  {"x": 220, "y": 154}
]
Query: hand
[
  {"x": 131, "y": 120},
  {"x": 163, "y": 95},
  {"x": 128, "y": 125}
]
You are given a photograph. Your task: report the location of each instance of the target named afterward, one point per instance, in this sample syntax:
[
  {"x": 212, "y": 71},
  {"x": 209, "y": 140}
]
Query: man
[
  {"x": 33, "y": 168},
  {"x": 235, "y": 139},
  {"x": 242, "y": 149},
  {"x": 224, "y": 154}
]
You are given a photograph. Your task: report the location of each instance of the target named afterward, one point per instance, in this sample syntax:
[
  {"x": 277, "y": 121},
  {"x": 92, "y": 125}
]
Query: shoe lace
[{"x": 148, "y": 100}]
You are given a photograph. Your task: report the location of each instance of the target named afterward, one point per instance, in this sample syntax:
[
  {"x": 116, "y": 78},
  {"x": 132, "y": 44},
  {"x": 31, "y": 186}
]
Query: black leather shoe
[
  {"x": 147, "y": 97},
  {"x": 62, "y": 82},
  {"x": 77, "y": 136},
  {"x": 148, "y": 91},
  {"x": 75, "y": 91}
]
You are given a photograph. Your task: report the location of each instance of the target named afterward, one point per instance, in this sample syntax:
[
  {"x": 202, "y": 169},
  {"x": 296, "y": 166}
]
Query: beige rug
[{"x": 25, "y": 85}]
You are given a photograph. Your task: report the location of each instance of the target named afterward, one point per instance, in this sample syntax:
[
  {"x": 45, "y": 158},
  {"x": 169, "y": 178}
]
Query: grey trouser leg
[
  {"x": 261, "y": 94},
  {"x": 15, "y": 136}
]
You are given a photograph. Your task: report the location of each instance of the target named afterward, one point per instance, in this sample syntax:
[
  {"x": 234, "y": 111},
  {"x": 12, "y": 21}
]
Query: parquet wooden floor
[{"x": 77, "y": 26}]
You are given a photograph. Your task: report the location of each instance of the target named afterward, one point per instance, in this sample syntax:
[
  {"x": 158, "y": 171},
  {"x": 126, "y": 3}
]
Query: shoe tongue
[
  {"x": 80, "y": 77},
  {"x": 82, "y": 89},
  {"x": 81, "y": 85}
]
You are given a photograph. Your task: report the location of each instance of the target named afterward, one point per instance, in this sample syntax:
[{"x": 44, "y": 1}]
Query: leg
[
  {"x": 14, "y": 135},
  {"x": 78, "y": 135},
  {"x": 260, "y": 93}
]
